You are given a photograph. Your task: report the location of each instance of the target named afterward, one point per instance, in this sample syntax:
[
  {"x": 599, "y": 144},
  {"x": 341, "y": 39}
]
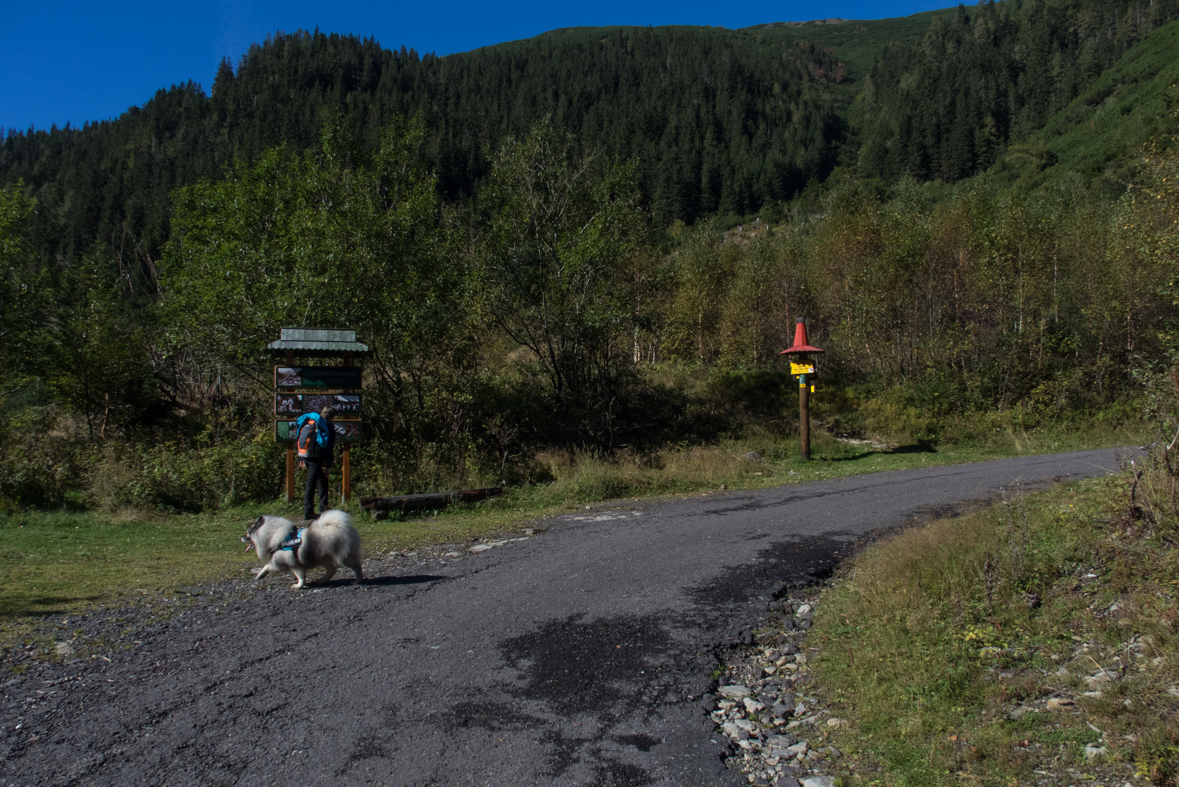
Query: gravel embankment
[{"x": 764, "y": 704}]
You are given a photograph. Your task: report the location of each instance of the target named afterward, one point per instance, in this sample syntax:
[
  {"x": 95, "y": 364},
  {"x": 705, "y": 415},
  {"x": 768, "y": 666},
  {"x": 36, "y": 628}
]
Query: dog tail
[{"x": 334, "y": 518}]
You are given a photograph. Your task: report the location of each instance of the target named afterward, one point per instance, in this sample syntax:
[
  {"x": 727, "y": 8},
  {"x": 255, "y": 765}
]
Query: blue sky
[{"x": 70, "y": 61}]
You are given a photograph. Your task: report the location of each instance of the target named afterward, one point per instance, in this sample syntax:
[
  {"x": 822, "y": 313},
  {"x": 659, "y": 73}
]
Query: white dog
[{"x": 329, "y": 542}]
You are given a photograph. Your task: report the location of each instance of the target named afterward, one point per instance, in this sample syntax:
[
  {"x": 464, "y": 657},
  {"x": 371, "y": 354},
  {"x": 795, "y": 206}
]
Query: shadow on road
[
  {"x": 42, "y": 606},
  {"x": 345, "y": 579},
  {"x": 416, "y": 579}
]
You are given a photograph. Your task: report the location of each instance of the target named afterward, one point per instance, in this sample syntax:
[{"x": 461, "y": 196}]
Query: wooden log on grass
[{"x": 428, "y": 500}]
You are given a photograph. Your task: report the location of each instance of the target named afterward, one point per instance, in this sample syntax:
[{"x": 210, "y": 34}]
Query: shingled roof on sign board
[{"x": 317, "y": 342}]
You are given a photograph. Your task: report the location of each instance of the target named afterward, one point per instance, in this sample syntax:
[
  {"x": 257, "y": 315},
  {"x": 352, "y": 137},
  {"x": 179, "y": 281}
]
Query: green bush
[
  {"x": 41, "y": 459},
  {"x": 39, "y": 471},
  {"x": 173, "y": 478}
]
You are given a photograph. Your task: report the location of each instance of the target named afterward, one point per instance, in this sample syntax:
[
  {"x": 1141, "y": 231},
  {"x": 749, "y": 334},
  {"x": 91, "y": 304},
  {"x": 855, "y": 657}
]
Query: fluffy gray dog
[{"x": 329, "y": 542}]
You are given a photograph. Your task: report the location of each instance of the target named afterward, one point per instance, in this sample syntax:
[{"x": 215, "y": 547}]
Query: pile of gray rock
[{"x": 775, "y": 726}]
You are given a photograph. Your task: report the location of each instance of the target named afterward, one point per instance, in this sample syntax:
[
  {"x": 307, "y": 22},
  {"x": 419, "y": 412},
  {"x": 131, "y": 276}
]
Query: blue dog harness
[{"x": 293, "y": 540}]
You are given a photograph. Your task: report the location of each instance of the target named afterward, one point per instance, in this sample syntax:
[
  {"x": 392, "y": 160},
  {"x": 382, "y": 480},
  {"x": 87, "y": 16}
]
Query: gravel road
[{"x": 573, "y": 657}]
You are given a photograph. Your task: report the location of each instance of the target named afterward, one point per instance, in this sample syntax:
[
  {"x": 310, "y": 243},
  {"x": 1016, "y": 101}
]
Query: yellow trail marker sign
[{"x": 802, "y": 368}]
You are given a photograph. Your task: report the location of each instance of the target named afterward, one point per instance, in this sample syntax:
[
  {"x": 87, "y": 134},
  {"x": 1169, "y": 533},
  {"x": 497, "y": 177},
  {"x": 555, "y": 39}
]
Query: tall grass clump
[
  {"x": 1037, "y": 633},
  {"x": 1154, "y": 486},
  {"x": 582, "y": 477},
  {"x": 907, "y": 621}
]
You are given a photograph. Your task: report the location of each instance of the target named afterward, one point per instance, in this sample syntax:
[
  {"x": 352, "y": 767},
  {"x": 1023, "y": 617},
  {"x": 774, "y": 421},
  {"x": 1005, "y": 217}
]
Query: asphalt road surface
[{"x": 574, "y": 657}]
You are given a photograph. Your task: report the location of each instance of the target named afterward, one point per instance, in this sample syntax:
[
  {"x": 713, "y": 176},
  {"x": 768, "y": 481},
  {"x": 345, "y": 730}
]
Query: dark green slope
[
  {"x": 852, "y": 46},
  {"x": 1100, "y": 132},
  {"x": 713, "y": 124},
  {"x": 106, "y": 186},
  {"x": 856, "y": 43},
  {"x": 987, "y": 77}
]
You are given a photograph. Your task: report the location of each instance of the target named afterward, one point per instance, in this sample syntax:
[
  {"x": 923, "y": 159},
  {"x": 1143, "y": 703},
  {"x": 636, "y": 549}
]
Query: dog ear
[{"x": 257, "y": 523}]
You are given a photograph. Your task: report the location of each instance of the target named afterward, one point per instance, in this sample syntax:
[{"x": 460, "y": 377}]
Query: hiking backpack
[{"x": 312, "y": 436}]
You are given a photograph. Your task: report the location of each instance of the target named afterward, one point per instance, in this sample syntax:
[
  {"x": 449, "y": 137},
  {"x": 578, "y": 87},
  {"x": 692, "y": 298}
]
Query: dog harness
[{"x": 293, "y": 540}]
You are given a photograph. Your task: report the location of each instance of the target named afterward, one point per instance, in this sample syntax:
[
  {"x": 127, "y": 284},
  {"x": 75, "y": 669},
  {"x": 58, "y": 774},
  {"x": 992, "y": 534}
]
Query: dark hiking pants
[{"x": 316, "y": 479}]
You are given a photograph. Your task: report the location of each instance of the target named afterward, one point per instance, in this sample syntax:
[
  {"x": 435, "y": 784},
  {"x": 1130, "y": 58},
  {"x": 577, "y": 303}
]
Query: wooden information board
[{"x": 299, "y": 390}]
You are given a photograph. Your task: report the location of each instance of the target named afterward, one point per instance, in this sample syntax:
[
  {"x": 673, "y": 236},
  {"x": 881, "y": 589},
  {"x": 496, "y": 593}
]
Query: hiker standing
[{"x": 317, "y": 440}]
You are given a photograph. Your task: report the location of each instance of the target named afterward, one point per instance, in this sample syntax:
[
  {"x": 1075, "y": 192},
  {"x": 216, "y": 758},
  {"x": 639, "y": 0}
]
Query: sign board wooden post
[
  {"x": 290, "y": 484},
  {"x": 346, "y": 462},
  {"x": 308, "y": 389}
]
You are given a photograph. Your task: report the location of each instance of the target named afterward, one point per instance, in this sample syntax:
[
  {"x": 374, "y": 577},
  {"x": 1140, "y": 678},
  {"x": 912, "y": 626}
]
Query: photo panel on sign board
[
  {"x": 346, "y": 431},
  {"x": 314, "y": 403},
  {"x": 296, "y": 404},
  {"x": 288, "y": 376},
  {"x": 327, "y": 377},
  {"x": 286, "y": 404},
  {"x": 347, "y": 403}
]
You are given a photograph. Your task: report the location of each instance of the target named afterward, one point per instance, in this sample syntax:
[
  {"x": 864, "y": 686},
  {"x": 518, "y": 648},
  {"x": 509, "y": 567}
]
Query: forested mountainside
[
  {"x": 718, "y": 121},
  {"x": 596, "y": 238},
  {"x": 948, "y": 107},
  {"x": 713, "y": 124}
]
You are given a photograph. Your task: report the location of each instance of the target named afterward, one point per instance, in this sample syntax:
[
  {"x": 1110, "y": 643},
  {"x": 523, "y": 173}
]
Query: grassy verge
[
  {"x": 53, "y": 563},
  {"x": 1031, "y": 643}
]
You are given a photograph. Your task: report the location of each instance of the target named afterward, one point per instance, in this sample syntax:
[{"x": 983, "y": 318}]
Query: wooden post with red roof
[{"x": 801, "y": 366}]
